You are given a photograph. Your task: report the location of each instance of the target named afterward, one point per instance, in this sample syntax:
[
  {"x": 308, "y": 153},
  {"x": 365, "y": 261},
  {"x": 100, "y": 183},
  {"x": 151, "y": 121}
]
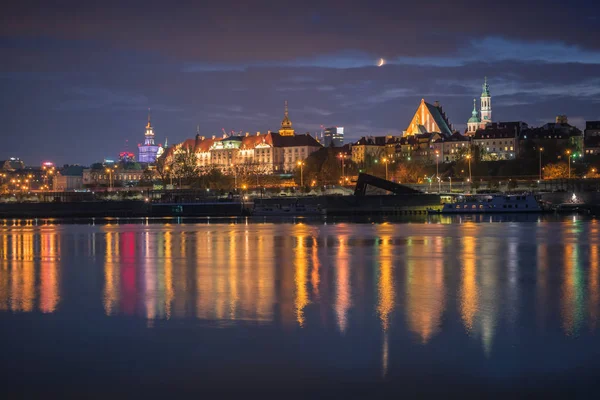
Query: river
[{"x": 437, "y": 306}]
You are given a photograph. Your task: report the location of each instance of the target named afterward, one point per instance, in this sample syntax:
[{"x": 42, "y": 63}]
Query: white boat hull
[{"x": 493, "y": 205}]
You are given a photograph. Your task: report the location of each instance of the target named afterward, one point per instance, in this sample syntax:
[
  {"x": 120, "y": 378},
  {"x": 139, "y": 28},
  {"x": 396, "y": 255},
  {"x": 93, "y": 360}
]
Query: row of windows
[
  {"x": 120, "y": 177},
  {"x": 500, "y": 149},
  {"x": 481, "y": 206}
]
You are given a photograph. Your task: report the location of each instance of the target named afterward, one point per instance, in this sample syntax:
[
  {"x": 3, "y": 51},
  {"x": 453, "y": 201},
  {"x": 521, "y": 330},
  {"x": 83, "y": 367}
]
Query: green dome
[{"x": 474, "y": 116}]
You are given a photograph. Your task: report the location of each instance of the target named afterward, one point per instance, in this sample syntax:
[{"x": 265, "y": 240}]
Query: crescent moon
[{"x": 381, "y": 62}]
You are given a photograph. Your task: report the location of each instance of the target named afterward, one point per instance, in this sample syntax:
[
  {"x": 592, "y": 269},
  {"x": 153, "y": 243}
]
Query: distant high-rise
[
  {"x": 148, "y": 151},
  {"x": 333, "y": 137}
]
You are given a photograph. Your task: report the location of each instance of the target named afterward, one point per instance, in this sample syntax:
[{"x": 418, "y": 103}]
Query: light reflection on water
[{"x": 458, "y": 283}]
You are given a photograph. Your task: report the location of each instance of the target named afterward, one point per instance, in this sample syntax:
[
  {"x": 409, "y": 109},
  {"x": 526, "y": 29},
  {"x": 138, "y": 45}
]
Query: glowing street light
[
  {"x": 569, "y": 154},
  {"x": 437, "y": 162},
  {"x": 110, "y": 173},
  {"x": 541, "y": 150},
  {"x": 386, "y": 162},
  {"x": 469, "y": 158},
  {"x": 301, "y": 165},
  {"x": 170, "y": 175},
  {"x": 342, "y": 156}
]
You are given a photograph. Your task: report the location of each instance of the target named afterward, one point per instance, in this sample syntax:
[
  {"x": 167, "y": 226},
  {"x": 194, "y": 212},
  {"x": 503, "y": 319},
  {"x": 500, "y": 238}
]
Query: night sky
[{"x": 77, "y": 78}]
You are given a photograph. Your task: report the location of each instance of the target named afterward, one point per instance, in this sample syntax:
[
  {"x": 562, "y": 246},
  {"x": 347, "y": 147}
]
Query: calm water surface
[{"x": 300, "y": 309}]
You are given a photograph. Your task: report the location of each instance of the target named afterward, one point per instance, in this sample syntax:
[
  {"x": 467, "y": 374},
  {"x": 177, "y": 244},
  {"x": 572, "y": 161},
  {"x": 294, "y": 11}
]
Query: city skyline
[{"x": 77, "y": 90}]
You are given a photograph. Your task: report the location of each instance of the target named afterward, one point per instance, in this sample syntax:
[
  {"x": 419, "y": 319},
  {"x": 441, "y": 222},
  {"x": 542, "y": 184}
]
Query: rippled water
[{"x": 331, "y": 309}]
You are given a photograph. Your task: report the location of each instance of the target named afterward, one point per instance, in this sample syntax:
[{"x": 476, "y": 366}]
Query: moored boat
[
  {"x": 494, "y": 203},
  {"x": 286, "y": 210}
]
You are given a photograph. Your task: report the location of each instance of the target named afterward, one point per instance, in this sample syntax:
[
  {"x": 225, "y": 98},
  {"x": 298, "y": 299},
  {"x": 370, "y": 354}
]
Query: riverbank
[{"x": 350, "y": 206}]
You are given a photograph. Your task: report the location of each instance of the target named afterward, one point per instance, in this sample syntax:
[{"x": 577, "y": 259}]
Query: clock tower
[{"x": 486, "y": 105}]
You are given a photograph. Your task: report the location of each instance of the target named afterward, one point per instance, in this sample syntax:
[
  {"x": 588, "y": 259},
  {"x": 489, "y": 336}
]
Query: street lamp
[
  {"x": 541, "y": 150},
  {"x": 234, "y": 176},
  {"x": 450, "y": 178},
  {"x": 386, "y": 161},
  {"x": 342, "y": 156},
  {"x": 168, "y": 169},
  {"x": 569, "y": 154},
  {"x": 109, "y": 172},
  {"x": 469, "y": 158},
  {"x": 301, "y": 165},
  {"x": 437, "y": 162}
]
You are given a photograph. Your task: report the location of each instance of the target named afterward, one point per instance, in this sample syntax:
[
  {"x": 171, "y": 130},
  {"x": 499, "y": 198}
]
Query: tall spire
[
  {"x": 486, "y": 89},
  {"x": 474, "y": 112},
  {"x": 149, "y": 125},
  {"x": 286, "y": 124}
]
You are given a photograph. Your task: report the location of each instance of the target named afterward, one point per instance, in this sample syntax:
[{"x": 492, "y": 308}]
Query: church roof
[
  {"x": 440, "y": 118},
  {"x": 474, "y": 116}
]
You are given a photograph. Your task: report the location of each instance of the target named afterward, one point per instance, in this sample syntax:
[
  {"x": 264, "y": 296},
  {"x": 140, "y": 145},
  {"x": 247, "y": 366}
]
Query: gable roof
[{"x": 440, "y": 118}]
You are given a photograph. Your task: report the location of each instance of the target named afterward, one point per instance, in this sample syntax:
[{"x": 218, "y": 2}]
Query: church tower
[
  {"x": 474, "y": 122},
  {"x": 286, "y": 124},
  {"x": 486, "y": 105}
]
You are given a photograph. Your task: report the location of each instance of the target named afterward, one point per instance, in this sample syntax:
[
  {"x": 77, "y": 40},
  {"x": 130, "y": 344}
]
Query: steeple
[
  {"x": 486, "y": 89},
  {"x": 486, "y": 104},
  {"x": 149, "y": 125},
  {"x": 286, "y": 124},
  {"x": 474, "y": 113},
  {"x": 474, "y": 122}
]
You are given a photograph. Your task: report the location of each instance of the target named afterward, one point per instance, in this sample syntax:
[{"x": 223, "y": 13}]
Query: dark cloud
[{"x": 77, "y": 78}]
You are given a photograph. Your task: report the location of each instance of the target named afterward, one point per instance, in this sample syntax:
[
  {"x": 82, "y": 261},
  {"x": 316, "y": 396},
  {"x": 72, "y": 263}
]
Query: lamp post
[
  {"x": 168, "y": 169},
  {"x": 109, "y": 171},
  {"x": 450, "y": 178},
  {"x": 386, "y": 161},
  {"x": 569, "y": 154},
  {"x": 341, "y": 156},
  {"x": 541, "y": 150},
  {"x": 469, "y": 158},
  {"x": 234, "y": 176},
  {"x": 301, "y": 165},
  {"x": 437, "y": 162}
]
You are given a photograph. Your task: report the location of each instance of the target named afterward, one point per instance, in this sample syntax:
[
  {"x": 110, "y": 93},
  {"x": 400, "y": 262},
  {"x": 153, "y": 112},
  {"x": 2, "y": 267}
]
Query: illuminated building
[
  {"x": 497, "y": 141},
  {"x": 12, "y": 164},
  {"x": 428, "y": 119},
  {"x": 69, "y": 178},
  {"x": 148, "y": 152},
  {"x": 430, "y": 136},
  {"x": 333, "y": 137},
  {"x": 591, "y": 137},
  {"x": 273, "y": 152},
  {"x": 126, "y": 156},
  {"x": 369, "y": 148}
]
